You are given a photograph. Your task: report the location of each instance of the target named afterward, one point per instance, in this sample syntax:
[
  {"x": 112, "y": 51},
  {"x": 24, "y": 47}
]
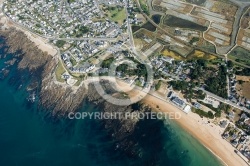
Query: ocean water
[{"x": 29, "y": 136}]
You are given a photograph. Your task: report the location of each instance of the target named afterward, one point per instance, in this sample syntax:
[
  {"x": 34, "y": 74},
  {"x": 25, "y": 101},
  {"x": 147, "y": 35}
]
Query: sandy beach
[{"x": 208, "y": 134}]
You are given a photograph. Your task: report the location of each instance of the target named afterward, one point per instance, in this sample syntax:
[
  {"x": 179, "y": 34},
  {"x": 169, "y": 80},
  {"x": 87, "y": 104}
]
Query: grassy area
[
  {"x": 117, "y": 14},
  {"x": 81, "y": 31},
  {"x": 217, "y": 84},
  {"x": 194, "y": 39},
  {"x": 60, "y": 43},
  {"x": 196, "y": 2},
  {"x": 79, "y": 80},
  {"x": 172, "y": 54},
  {"x": 240, "y": 55},
  {"x": 197, "y": 54},
  {"x": 144, "y": 6},
  {"x": 107, "y": 62},
  {"x": 138, "y": 83},
  {"x": 70, "y": 1},
  {"x": 215, "y": 61},
  {"x": 73, "y": 61},
  {"x": 78, "y": 83},
  {"x": 158, "y": 85},
  {"x": 202, "y": 113},
  {"x": 59, "y": 71},
  {"x": 173, "y": 21},
  {"x": 52, "y": 9},
  {"x": 201, "y": 55},
  {"x": 209, "y": 47}
]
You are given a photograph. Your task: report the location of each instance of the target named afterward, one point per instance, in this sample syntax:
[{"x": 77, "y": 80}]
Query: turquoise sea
[{"x": 29, "y": 136}]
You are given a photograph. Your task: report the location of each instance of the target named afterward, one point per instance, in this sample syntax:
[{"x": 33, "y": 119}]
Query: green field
[
  {"x": 59, "y": 71},
  {"x": 209, "y": 47},
  {"x": 241, "y": 55},
  {"x": 144, "y": 6},
  {"x": 60, "y": 43},
  {"x": 117, "y": 14},
  {"x": 73, "y": 61}
]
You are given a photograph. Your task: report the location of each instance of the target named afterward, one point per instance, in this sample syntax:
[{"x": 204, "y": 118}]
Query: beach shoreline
[{"x": 209, "y": 136}]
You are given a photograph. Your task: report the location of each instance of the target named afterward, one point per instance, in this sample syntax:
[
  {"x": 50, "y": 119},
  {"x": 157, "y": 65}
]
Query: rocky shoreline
[
  {"x": 57, "y": 98},
  {"x": 62, "y": 99},
  {"x": 123, "y": 129}
]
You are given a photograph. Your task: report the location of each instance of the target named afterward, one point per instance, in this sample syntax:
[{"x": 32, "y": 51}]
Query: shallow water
[{"x": 30, "y": 136}]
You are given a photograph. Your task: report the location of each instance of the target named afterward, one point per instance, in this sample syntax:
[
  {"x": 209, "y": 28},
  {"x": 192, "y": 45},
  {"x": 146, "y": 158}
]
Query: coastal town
[{"x": 198, "y": 51}]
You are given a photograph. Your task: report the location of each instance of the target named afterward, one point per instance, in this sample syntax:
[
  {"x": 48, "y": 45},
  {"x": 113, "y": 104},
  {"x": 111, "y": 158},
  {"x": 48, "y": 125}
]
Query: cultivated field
[
  {"x": 241, "y": 55},
  {"x": 243, "y": 39},
  {"x": 216, "y": 18}
]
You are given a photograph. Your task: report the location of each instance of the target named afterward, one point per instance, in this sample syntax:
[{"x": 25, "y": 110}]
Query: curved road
[{"x": 242, "y": 5}]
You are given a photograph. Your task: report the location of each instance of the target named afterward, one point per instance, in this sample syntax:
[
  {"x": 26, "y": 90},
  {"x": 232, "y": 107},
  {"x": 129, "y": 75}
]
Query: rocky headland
[
  {"x": 61, "y": 99},
  {"x": 57, "y": 98}
]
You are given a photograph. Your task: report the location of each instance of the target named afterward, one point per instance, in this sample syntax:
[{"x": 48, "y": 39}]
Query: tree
[
  {"x": 60, "y": 43},
  {"x": 122, "y": 67},
  {"x": 244, "y": 72},
  {"x": 210, "y": 115},
  {"x": 230, "y": 64},
  {"x": 158, "y": 85},
  {"x": 141, "y": 70},
  {"x": 218, "y": 84},
  {"x": 217, "y": 114},
  {"x": 240, "y": 82}
]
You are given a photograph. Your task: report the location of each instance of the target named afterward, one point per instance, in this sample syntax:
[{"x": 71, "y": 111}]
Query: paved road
[
  {"x": 86, "y": 38},
  {"x": 221, "y": 52},
  {"x": 152, "y": 12},
  {"x": 130, "y": 32},
  {"x": 93, "y": 79},
  {"x": 160, "y": 28},
  {"x": 224, "y": 100},
  {"x": 236, "y": 26},
  {"x": 216, "y": 97},
  {"x": 139, "y": 56},
  {"x": 241, "y": 2},
  {"x": 144, "y": 90}
]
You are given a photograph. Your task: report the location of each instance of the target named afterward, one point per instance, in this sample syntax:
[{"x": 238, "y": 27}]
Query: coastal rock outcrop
[
  {"x": 18, "y": 42},
  {"x": 61, "y": 99},
  {"x": 122, "y": 128},
  {"x": 57, "y": 98}
]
